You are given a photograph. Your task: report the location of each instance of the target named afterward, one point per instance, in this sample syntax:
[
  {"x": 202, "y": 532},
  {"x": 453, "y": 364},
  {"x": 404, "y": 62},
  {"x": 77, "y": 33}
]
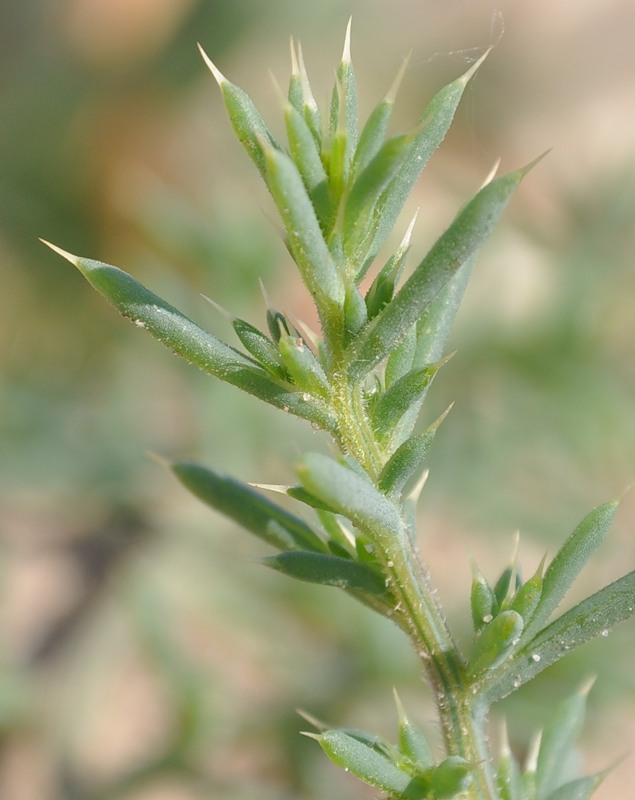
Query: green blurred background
[{"x": 144, "y": 651}]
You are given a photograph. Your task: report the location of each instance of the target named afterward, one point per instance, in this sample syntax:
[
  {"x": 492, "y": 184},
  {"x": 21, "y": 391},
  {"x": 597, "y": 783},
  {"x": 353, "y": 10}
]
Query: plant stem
[{"x": 461, "y": 713}]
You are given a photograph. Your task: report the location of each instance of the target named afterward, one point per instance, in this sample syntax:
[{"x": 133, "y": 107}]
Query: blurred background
[{"x": 144, "y": 652}]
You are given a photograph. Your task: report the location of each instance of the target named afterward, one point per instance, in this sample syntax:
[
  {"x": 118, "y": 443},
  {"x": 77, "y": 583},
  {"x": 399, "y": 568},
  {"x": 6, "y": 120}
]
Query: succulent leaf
[{"x": 248, "y": 508}]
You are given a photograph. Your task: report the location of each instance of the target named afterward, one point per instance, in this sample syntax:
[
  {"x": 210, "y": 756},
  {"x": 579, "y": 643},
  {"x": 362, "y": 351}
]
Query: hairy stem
[{"x": 461, "y": 714}]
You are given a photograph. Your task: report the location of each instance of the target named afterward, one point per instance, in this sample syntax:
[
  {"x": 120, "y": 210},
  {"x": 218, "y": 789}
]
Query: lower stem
[{"x": 461, "y": 713}]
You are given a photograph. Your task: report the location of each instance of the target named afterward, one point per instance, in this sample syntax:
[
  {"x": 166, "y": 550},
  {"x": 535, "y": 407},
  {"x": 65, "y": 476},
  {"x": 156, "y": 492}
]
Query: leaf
[
  {"x": 579, "y": 789},
  {"x": 186, "y": 339},
  {"x": 407, "y": 460},
  {"x": 397, "y": 399},
  {"x": 495, "y": 643},
  {"x": 260, "y": 347},
  {"x": 303, "y": 366},
  {"x": 305, "y": 154},
  {"x": 306, "y": 241},
  {"x": 374, "y": 131},
  {"x": 451, "y": 777},
  {"x": 434, "y": 325},
  {"x": 569, "y": 561},
  {"x": 350, "y": 494},
  {"x": 432, "y": 127},
  {"x": 248, "y": 508},
  {"x": 508, "y": 779},
  {"x": 364, "y": 762},
  {"x": 483, "y": 602},
  {"x": 558, "y": 741},
  {"x": 365, "y": 192},
  {"x": 249, "y": 127},
  {"x": 343, "y": 115},
  {"x": 329, "y": 570},
  {"x": 412, "y": 741},
  {"x": 592, "y": 617},
  {"x": 450, "y": 253}
]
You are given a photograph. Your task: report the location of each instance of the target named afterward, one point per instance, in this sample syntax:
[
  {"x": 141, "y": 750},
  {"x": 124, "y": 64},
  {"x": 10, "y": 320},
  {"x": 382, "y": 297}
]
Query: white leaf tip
[
  {"x": 218, "y": 75},
  {"x": 346, "y": 53},
  {"x": 74, "y": 260}
]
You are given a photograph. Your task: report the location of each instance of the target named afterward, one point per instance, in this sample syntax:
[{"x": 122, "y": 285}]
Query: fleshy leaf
[
  {"x": 569, "y": 561},
  {"x": 407, "y": 460},
  {"x": 508, "y": 780},
  {"x": 398, "y": 398},
  {"x": 306, "y": 241},
  {"x": 495, "y": 643},
  {"x": 592, "y": 617},
  {"x": 448, "y": 255},
  {"x": 557, "y": 743},
  {"x": 579, "y": 789},
  {"x": 432, "y": 128},
  {"x": 248, "y": 508},
  {"x": 249, "y": 127},
  {"x": 329, "y": 570},
  {"x": 351, "y": 494},
  {"x": 364, "y": 762},
  {"x": 177, "y": 332},
  {"x": 412, "y": 741}
]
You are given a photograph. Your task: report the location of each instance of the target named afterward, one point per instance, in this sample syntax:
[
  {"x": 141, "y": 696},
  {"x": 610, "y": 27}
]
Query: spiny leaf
[
  {"x": 557, "y": 742},
  {"x": 450, "y": 252},
  {"x": 395, "y": 401},
  {"x": 248, "y": 508},
  {"x": 374, "y": 131},
  {"x": 306, "y": 241},
  {"x": 407, "y": 460},
  {"x": 569, "y": 561},
  {"x": 350, "y": 494},
  {"x": 495, "y": 643},
  {"x": 177, "y": 332},
  {"x": 245, "y": 118},
  {"x": 364, "y": 762},
  {"x": 592, "y": 617},
  {"x": 329, "y": 570},
  {"x": 432, "y": 127}
]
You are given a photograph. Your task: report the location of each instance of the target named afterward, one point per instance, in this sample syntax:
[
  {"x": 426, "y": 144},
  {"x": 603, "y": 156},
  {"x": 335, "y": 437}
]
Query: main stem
[{"x": 462, "y": 714}]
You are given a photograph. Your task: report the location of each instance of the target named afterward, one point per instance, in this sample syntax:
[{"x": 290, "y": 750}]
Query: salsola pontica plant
[{"x": 339, "y": 190}]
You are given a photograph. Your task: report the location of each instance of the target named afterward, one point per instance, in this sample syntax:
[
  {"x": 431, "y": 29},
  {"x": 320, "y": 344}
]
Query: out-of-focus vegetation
[{"x": 143, "y": 653}]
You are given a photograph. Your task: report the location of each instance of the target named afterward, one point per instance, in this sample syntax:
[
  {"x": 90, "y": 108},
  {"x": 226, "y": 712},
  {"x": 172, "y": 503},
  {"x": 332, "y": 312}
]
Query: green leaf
[
  {"x": 449, "y": 254},
  {"x": 305, "y": 154},
  {"x": 329, "y": 570},
  {"x": 260, "y": 347},
  {"x": 350, "y": 494},
  {"x": 248, "y": 508},
  {"x": 508, "y": 779},
  {"x": 431, "y": 130},
  {"x": 495, "y": 643},
  {"x": 365, "y": 192},
  {"x": 249, "y": 127},
  {"x": 557, "y": 743},
  {"x": 412, "y": 741},
  {"x": 398, "y": 398},
  {"x": 434, "y": 325},
  {"x": 302, "y": 365},
  {"x": 186, "y": 339},
  {"x": 569, "y": 561},
  {"x": 383, "y": 286},
  {"x": 579, "y": 789},
  {"x": 301, "y": 96},
  {"x": 451, "y": 777},
  {"x": 306, "y": 241},
  {"x": 364, "y": 762},
  {"x": 592, "y": 617},
  {"x": 407, "y": 460},
  {"x": 483, "y": 603},
  {"x": 527, "y": 598},
  {"x": 374, "y": 131},
  {"x": 343, "y": 116}
]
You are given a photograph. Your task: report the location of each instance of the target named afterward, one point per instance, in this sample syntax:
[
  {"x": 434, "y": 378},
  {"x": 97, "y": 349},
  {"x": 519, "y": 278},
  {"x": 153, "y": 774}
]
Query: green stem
[{"x": 462, "y": 714}]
